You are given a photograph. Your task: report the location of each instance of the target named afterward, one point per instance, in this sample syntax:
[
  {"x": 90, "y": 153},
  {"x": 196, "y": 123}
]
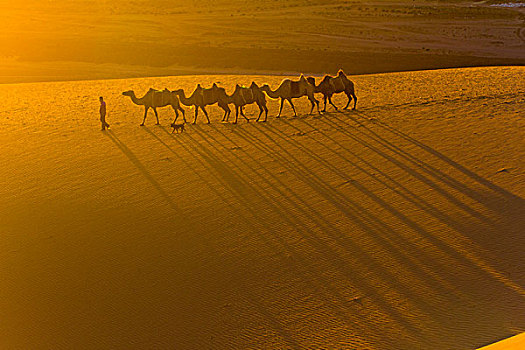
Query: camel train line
[{"x": 242, "y": 96}]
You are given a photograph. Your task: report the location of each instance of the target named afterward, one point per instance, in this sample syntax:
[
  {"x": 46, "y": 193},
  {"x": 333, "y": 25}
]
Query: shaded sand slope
[{"x": 396, "y": 226}]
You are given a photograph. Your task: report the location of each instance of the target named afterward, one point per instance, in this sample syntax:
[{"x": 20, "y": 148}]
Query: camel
[
  {"x": 292, "y": 89},
  {"x": 154, "y": 99},
  {"x": 223, "y": 100},
  {"x": 247, "y": 95},
  {"x": 201, "y": 97},
  {"x": 330, "y": 85}
]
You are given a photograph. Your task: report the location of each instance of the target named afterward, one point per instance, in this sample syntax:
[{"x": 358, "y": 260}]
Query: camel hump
[
  {"x": 253, "y": 84},
  {"x": 341, "y": 73},
  {"x": 295, "y": 87}
]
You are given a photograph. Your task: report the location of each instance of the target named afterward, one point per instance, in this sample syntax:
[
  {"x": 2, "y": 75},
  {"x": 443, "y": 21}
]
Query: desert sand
[
  {"x": 514, "y": 343},
  {"x": 81, "y": 39},
  {"x": 395, "y": 226}
]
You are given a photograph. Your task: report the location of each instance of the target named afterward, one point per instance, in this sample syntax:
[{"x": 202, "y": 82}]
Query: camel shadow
[
  {"x": 141, "y": 168},
  {"x": 464, "y": 256},
  {"x": 507, "y": 207},
  {"x": 254, "y": 195},
  {"x": 465, "y": 229},
  {"x": 257, "y": 186},
  {"x": 326, "y": 227}
]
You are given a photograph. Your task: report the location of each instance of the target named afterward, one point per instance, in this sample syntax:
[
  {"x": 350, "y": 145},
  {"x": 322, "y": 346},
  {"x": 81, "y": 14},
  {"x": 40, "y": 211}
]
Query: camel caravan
[{"x": 242, "y": 96}]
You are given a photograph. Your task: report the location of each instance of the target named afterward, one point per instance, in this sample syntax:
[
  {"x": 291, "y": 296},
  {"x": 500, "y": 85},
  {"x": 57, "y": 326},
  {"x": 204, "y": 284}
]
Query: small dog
[{"x": 177, "y": 127}]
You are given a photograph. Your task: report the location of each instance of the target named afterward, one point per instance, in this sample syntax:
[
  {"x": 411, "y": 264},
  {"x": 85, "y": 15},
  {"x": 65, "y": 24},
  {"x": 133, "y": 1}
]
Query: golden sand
[{"x": 395, "y": 226}]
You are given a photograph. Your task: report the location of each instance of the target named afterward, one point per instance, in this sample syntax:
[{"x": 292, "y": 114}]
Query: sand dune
[
  {"x": 395, "y": 226},
  {"x": 79, "y": 39}
]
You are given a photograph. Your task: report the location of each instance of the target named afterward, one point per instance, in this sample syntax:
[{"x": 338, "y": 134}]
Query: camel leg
[
  {"x": 242, "y": 113},
  {"x": 317, "y": 103},
  {"x": 260, "y": 112},
  {"x": 226, "y": 110},
  {"x": 196, "y": 114},
  {"x": 176, "y": 116},
  {"x": 330, "y": 100},
  {"x": 236, "y": 114},
  {"x": 206, "y": 114},
  {"x": 145, "y": 114},
  {"x": 265, "y": 112},
  {"x": 313, "y": 105},
  {"x": 349, "y": 100},
  {"x": 351, "y": 94},
  {"x": 280, "y": 109},
  {"x": 293, "y": 107},
  {"x": 324, "y": 99},
  {"x": 183, "y": 114},
  {"x": 156, "y": 115}
]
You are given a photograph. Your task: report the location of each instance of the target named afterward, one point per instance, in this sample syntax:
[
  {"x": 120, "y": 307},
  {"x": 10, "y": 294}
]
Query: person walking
[{"x": 103, "y": 113}]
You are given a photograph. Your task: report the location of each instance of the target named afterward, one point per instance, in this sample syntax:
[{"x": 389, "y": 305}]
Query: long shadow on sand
[
  {"x": 258, "y": 186},
  {"x": 462, "y": 253},
  {"x": 246, "y": 190},
  {"x": 240, "y": 191},
  {"x": 464, "y": 256},
  {"x": 427, "y": 168},
  {"x": 325, "y": 226},
  {"x": 391, "y": 240},
  {"x": 507, "y": 210},
  {"x": 384, "y": 235},
  {"x": 141, "y": 168}
]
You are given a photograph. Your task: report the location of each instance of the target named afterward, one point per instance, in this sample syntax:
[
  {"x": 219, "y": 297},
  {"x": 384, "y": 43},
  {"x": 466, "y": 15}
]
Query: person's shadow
[{"x": 133, "y": 158}]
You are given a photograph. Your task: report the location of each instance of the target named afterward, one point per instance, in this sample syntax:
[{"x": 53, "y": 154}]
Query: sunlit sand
[
  {"x": 395, "y": 226},
  {"x": 232, "y": 174}
]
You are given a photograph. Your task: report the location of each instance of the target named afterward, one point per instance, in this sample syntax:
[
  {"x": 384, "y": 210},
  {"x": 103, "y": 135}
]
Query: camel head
[
  {"x": 129, "y": 93},
  {"x": 311, "y": 80}
]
